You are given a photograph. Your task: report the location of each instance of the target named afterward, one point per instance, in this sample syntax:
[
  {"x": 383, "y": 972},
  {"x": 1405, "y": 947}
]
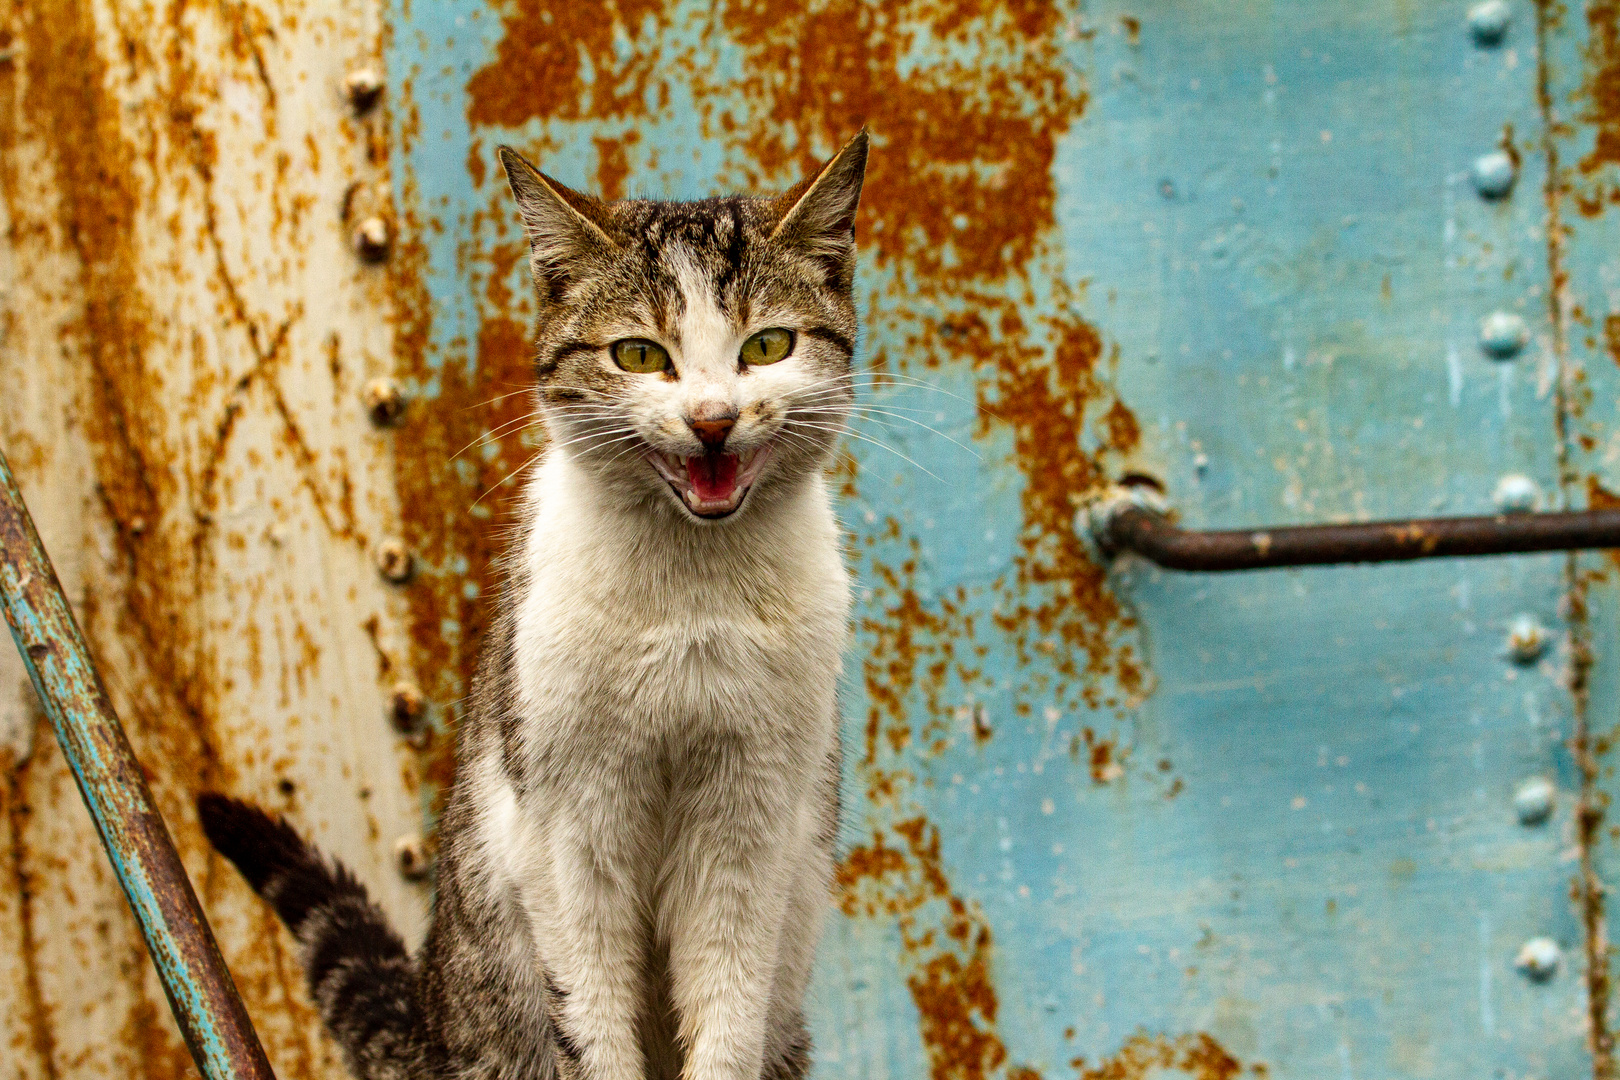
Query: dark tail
[{"x": 359, "y": 972}]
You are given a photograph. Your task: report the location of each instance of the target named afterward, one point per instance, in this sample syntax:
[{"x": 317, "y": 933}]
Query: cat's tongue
[{"x": 713, "y": 476}]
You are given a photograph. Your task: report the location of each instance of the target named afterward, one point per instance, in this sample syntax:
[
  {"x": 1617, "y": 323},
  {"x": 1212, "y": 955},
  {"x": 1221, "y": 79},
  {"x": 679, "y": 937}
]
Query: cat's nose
[{"x": 712, "y": 433}]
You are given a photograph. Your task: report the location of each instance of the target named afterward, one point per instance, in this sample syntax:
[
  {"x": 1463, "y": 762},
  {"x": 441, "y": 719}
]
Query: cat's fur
[{"x": 637, "y": 850}]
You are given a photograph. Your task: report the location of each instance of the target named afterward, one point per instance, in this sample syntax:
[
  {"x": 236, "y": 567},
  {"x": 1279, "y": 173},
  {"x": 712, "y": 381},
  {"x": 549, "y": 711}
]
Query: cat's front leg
[
  {"x": 590, "y": 930},
  {"x": 722, "y": 904}
]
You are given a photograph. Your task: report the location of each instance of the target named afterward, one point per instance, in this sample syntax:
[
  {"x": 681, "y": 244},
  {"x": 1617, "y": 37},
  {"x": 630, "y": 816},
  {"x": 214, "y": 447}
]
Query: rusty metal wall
[
  {"x": 185, "y": 334},
  {"x": 1105, "y": 823}
]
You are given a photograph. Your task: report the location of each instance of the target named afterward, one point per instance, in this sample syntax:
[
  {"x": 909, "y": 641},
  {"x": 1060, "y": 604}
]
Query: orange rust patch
[
  {"x": 1599, "y": 497},
  {"x": 613, "y": 165},
  {"x": 1611, "y": 336},
  {"x": 447, "y": 471},
  {"x": 1601, "y": 94},
  {"x": 1143, "y": 1056},
  {"x": 947, "y": 939},
  {"x": 540, "y": 65}
]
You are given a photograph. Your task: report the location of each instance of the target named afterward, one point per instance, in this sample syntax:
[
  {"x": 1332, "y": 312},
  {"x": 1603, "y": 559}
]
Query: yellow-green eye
[
  {"x": 767, "y": 347},
  {"x": 640, "y": 356}
]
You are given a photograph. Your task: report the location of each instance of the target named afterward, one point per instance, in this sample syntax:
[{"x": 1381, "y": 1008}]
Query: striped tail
[{"x": 359, "y": 972}]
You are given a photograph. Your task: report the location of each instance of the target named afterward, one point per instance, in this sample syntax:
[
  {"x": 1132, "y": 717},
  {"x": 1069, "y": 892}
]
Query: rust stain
[
  {"x": 947, "y": 937},
  {"x": 1147, "y": 1057},
  {"x": 41, "y": 1038},
  {"x": 558, "y": 61},
  {"x": 1599, "y": 497},
  {"x": 1589, "y": 187},
  {"x": 448, "y": 469},
  {"x": 613, "y": 165},
  {"x": 1106, "y": 761},
  {"x": 1611, "y": 336},
  {"x": 1601, "y": 93},
  {"x": 122, "y": 119}
]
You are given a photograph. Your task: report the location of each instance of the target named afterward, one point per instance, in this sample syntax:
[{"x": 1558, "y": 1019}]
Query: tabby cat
[{"x": 637, "y": 850}]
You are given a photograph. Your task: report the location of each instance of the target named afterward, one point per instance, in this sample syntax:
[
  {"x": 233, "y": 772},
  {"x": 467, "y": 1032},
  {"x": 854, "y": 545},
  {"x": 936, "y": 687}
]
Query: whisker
[
  {"x": 863, "y": 438},
  {"x": 526, "y": 463},
  {"x": 935, "y": 431},
  {"x": 502, "y": 397},
  {"x": 527, "y": 419}
]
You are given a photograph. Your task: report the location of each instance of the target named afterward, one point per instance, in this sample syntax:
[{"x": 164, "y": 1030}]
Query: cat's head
[{"x": 695, "y": 354}]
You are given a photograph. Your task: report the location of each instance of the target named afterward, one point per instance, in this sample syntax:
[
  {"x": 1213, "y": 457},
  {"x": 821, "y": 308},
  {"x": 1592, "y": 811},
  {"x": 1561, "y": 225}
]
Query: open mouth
[{"x": 711, "y": 484}]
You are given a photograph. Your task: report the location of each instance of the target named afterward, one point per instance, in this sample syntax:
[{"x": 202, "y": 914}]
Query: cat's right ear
[{"x": 562, "y": 225}]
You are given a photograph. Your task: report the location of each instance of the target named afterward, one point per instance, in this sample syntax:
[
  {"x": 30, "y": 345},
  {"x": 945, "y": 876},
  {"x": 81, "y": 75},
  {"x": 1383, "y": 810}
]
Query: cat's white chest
[{"x": 613, "y": 642}]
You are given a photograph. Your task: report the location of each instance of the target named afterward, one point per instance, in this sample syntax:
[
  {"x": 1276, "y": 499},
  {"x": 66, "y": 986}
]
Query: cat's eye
[
  {"x": 767, "y": 347},
  {"x": 640, "y": 356}
]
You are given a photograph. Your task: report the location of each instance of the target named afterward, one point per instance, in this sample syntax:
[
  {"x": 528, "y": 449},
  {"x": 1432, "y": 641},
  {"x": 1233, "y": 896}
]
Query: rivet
[
  {"x": 1494, "y": 174},
  {"x": 411, "y": 854},
  {"x": 1516, "y": 494},
  {"x": 394, "y": 560},
  {"x": 384, "y": 402},
  {"x": 364, "y": 86},
  {"x": 1527, "y": 639},
  {"x": 407, "y": 706},
  {"x": 371, "y": 239},
  {"x": 1533, "y": 802},
  {"x": 1502, "y": 334},
  {"x": 1488, "y": 21},
  {"x": 1538, "y": 958}
]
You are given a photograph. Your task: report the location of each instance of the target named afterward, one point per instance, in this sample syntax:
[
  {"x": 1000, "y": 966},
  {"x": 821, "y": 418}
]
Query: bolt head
[
  {"x": 384, "y": 402},
  {"x": 1503, "y": 334},
  {"x": 363, "y": 87},
  {"x": 1534, "y": 800},
  {"x": 1538, "y": 959},
  {"x": 371, "y": 239},
  {"x": 407, "y": 707},
  {"x": 394, "y": 560},
  {"x": 1527, "y": 639},
  {"x": 1516, "y": 494},
  {"x": 1494, "y": 174},
  {"x": 411, "y": 855},
  {"x": 1488, "y": 21}
]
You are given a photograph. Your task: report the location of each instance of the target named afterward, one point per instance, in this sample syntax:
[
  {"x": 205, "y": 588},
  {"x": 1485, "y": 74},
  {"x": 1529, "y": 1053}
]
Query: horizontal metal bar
[
  {"x": 201, "y": 994},
  {"x": 1129, "y": 526}
]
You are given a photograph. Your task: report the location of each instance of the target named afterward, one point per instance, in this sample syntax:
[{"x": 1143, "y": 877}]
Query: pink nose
[{"x": 712, "y": 433}]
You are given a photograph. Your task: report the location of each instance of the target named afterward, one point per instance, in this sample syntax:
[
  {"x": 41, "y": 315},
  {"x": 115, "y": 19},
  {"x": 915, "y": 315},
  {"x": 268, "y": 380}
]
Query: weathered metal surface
[
  {"x": 1268, "y": 253},
  {"x": 1154, "y": 536},
  {"x": 1579, "y": 82},
  {"x": 201, "y": 994},
  {"x": 1308, "y": 262},
  {"x": 186, "y": 332}
]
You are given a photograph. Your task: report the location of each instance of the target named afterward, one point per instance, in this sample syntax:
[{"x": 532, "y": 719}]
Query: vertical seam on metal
[{"x": 1588, "y": 810}]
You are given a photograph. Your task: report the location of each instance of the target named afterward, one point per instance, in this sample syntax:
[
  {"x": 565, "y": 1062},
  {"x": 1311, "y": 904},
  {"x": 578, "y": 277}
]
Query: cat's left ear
[
  {"x": 819, "y": 214},
  {"x": 562, "y": 225}
]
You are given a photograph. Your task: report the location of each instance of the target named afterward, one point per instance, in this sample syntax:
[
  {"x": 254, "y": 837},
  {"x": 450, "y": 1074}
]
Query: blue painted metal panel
[{"x": 1118, "y": 819}]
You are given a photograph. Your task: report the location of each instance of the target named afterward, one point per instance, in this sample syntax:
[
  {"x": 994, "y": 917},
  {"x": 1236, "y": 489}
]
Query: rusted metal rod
[
  {"x": 200, "y": 991},
  {"x": 1128, "y": 526}
]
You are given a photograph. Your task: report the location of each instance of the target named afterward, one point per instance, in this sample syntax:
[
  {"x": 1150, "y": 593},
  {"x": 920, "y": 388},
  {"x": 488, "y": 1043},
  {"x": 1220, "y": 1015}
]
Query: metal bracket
[{"x": 1136, "y": 519}]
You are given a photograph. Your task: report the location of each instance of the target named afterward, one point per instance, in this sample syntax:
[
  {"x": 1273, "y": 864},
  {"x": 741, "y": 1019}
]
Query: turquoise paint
[{"x": 1270, "y": 210}]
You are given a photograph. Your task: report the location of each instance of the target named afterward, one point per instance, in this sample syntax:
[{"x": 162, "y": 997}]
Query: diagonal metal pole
[{"x": 201, "y": 994}]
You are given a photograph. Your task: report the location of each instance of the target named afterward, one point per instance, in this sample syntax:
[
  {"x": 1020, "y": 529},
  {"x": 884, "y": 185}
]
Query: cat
[{"x": 637, "y": 850}]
